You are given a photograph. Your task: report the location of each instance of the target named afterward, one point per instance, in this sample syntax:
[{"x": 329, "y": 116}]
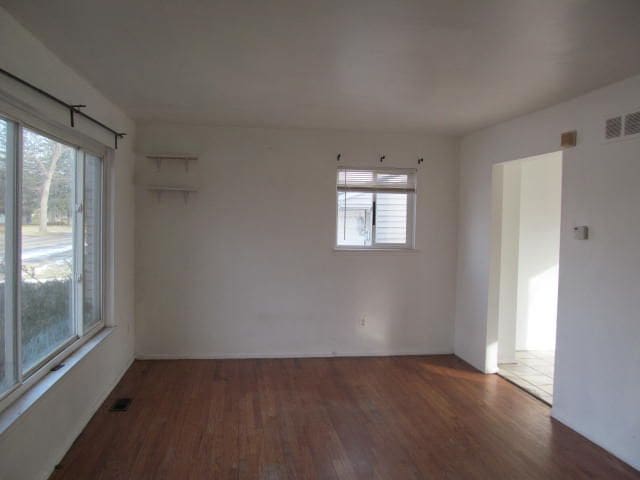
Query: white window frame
[
  {"x": 21, "y": 119},
  {"x": 411, "y": 210}
]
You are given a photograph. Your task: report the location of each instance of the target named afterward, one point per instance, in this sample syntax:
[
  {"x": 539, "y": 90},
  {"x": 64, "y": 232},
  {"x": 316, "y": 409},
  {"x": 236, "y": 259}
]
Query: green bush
[
  {"x": 44, "y": 305},
  {"x": 45, "y": 317}
]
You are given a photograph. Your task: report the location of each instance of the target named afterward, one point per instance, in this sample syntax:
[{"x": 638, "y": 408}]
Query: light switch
[{"x": 581, "y": 232}]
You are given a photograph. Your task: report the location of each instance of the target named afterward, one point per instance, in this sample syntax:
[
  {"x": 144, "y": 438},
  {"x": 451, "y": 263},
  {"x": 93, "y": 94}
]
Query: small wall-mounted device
[{"x": 581, "y": 232}]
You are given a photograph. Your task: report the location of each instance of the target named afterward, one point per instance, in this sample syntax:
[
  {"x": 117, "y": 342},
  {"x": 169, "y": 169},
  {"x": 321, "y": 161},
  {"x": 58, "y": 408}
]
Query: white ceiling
[{"x": 447, "y": 66}]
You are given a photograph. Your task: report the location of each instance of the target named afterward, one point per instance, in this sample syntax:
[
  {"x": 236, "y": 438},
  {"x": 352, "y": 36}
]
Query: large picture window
[
  {"x": 375, "y": 208},
  {"x": 50, "y": 249}
]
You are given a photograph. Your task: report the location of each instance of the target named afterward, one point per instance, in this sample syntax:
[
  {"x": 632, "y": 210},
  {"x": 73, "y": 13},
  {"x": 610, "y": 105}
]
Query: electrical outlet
[{"x": 363, "y": 321}]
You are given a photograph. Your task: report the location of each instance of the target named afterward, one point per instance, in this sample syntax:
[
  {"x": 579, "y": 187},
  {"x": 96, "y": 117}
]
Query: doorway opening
[{"x": 528, "y": 235}]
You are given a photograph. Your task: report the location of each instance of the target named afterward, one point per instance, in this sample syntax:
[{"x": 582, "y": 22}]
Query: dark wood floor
[{"x": 347, "y": 418}]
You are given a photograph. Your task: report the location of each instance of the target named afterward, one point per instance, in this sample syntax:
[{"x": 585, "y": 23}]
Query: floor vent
[{"x": 121, "y": 405}]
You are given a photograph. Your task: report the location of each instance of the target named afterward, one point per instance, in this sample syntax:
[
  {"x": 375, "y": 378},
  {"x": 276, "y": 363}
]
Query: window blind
[{"x": 376, "y": 180}]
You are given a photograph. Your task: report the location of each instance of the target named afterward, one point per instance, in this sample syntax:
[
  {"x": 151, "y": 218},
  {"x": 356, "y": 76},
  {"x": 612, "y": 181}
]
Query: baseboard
[
  {"x": 471, "y": 365},
  {"x": 86, "y": 418},
  {"x": 478, "y": 365},
  {"x": 568, "y": 424},
  {"x": 240, "y": 356}
]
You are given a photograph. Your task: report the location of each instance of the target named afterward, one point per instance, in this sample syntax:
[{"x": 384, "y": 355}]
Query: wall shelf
[
  {"x": 160, "y": 189},
  {"x": 159, "y": 158}
]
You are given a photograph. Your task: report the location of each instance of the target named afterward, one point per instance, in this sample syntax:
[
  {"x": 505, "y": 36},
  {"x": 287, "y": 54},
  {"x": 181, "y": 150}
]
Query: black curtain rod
[{"x": 74, "y": 109}]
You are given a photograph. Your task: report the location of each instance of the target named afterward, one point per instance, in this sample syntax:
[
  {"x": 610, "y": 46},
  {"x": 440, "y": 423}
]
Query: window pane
[
  {"x": 391, "y": 218},
  {"x": 355, "y": 215},
  {"x": 8, "y": 371},
  {"x": 92, "y": 234},
  {"x": 46, "y": 246}
]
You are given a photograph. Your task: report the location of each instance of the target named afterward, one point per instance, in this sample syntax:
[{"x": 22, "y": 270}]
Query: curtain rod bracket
[
  {"x": 73, "y": 109},
  {"x": 116, "y": 136}
]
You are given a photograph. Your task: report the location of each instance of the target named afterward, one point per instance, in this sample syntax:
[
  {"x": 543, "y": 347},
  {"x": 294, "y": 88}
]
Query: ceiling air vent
[
  {"x": 632, "y": 124},
  {"x": 613, "y": 128}
]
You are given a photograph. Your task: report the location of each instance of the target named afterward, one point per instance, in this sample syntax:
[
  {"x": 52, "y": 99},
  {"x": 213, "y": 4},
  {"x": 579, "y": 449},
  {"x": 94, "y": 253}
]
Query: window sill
[
  {"x": 374, "y": 250},
  {"x": 21, "y": 405}
]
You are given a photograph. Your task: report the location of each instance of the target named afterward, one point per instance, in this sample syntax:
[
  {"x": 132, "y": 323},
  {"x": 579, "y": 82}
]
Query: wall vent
[
  {"x": 613, "y": 128},
  {"x": 632, "y": 124},
  {"x": 622, "y": 127}
]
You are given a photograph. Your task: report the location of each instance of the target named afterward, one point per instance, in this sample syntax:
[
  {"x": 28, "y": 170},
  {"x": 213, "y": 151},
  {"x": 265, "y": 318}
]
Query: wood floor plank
[{"x": 426, "y": 417}]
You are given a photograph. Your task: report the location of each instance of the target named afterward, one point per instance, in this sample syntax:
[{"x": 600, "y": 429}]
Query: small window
[{"x": 375, "y": 208}]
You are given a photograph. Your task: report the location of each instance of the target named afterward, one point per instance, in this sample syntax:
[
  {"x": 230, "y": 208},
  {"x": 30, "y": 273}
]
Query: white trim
[
  {"x": 40, "y": 370},
  {"x": 632, "y": 462},
  {"x": 23, "y": 398},
  {"x": 410, "y": 225},
  {"x": 100, "y": 238},
  {"x": 11, "y": 345},
  {"x": 28, "y": 378},
  {"x": 16, "y": 110},
  {"x": 108, "y": 240},
  {"x": 344, "y": 188},
  {"x": 62, "y": 449},
  {"x": 17, "y": 257},
  {"x": 28, "y": 372},
  {"x": 410, "y": 228},
  {"x": 255, "y": 356},
  {"x": 400, "y": 249},
  {"x": 78, "y": 241},
  {"x": 380, "y": 169}
]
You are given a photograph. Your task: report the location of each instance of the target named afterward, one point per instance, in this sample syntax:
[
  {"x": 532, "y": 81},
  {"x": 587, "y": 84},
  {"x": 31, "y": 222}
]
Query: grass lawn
[{"x": 34, "y": 230}]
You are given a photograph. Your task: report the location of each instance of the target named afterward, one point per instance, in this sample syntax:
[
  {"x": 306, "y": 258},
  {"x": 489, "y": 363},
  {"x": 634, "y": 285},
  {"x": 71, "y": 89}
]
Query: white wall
[
  {"x": 598, "y": 360},
  {"x": 31, "y": 447},
  {"x": 238, "y": 288},
  {"x": 539, "y": 252},
  {"x": 507, "y": 178},
  {"x": 247, "y": 267}
]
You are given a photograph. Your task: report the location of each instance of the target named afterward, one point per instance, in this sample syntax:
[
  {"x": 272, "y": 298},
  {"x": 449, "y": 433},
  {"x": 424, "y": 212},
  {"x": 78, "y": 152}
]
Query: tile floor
[{"x": 532, "y": 371}]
